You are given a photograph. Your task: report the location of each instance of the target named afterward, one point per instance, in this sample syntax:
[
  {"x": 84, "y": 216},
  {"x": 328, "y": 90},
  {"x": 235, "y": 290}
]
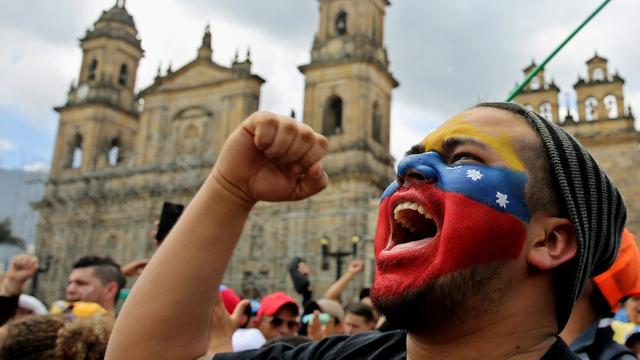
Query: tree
[{"x": 6, "y": 237}]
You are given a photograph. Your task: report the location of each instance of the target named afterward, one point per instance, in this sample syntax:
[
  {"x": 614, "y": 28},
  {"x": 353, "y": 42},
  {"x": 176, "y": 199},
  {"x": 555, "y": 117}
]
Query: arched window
[
  {"x": 597, "y": 75},
  {"x": 545, "y": 111},
  {"x": 113, "y": 155},
  {"x": 376, "y": 123},
  {"x": 591, "y": 109},
  {"x": 611, "y": 104},
  {"x": 332, "y": 120},
  {"x": 190, "y": 142},
  {"x": 341, "y": 23},
  {"x": 76, "y": 152},
  {"x": 535, "y": 83},
  {"x": 93, "y": 67},
  {"x": 124, "y": 73}
]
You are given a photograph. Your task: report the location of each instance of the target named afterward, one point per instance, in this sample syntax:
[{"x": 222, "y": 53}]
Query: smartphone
[{"x": 170, "y": 214}]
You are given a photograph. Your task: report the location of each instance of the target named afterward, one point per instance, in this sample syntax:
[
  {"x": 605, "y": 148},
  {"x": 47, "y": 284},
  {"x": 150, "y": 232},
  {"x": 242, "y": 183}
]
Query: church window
[
  {"x": 76, "y": 152},
  {"x": 113, "y": 155},
  {"x": 341, "y": 23},
  {"x": 189, "y": 143},
  {"x": 597, "y": 75},
  {"x": 124, "y": 73},
  {"x": 376, "y": 130},
  {"x": 611, "y": 104},
  {"x": 535, "y": 83},
  {"x": 545, "y": 111},
  {"x": 332, "y": 122},
  {"x": 93, "y": 67},
  {"x": 591, "y": 109}
]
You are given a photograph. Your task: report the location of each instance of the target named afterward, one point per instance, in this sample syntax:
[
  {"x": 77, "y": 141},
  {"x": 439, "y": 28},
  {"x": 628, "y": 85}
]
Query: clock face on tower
[{"x": 82, "y": 92}]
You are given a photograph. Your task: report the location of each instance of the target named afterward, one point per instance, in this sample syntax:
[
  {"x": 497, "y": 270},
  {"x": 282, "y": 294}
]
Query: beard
[{"x": 445, "y": 301}]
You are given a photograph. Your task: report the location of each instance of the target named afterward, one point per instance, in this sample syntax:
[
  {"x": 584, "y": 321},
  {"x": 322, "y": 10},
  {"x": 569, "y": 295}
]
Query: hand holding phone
[{"x": 170, "y": 214}]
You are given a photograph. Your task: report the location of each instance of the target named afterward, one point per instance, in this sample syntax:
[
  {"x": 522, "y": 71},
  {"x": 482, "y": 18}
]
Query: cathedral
[
  {"x": 604, "y": 125},
  {"x": 119, "y": 154}
]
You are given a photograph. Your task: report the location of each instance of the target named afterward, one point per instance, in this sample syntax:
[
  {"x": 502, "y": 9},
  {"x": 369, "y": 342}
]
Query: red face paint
[{"x": 469, "y": 233}]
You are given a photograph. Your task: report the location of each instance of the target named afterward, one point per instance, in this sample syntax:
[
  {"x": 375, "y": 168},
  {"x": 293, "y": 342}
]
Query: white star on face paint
[
  {"x": 502, "y": 199},
  {"x": 474, "y": 174}
]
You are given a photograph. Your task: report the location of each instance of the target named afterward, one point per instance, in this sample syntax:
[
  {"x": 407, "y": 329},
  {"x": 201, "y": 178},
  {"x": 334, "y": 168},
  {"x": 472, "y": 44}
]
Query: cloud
[
  {"x": 38, "y": 166},
  {"x": 7, "y": 145},
  {"x": 447, "y": 55}
]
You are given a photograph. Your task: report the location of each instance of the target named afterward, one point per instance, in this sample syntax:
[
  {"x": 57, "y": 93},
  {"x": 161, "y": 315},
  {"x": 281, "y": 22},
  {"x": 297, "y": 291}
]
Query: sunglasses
[{"x": 277, "y": 322}]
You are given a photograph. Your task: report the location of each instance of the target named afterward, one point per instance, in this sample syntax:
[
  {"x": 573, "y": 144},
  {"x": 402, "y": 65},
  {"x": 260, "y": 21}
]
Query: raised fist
[
  {"x": 356, "y": 266},
  {"x": 21, "y": 268},
  {"x": 273, "y": 158}
]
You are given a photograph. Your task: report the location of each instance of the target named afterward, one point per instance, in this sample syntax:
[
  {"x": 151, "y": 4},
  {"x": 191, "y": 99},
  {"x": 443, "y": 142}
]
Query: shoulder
[{"x": 370, "y": 345}]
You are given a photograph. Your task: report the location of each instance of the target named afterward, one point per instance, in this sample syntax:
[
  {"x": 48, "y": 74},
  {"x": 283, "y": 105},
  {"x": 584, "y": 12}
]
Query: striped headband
[{"x": 590, "y": 199}]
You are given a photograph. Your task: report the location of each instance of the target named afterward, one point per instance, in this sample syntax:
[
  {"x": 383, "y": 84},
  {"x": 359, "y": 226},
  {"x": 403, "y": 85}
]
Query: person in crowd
[
  {"x": 32, "y": 337},
  {"x": 359, "y": 318},
  {"x": 277, "y": 316},
  {"x": 95, "y": 279},
  {"x": 56, "y": 337},
  {"x": 484, "y": 242},
  {"x": 334, "y": 292},
  {"x": 588, "y": 330},
  {"x": 21, "y": 268},
  {"x": 299, "y": 272},
  {"x": 326, "y": 320}
]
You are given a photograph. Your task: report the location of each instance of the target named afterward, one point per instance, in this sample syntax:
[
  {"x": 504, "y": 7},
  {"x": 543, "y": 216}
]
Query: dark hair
[
  {"x": 33, "y": 337},
  {"x": 104, "y": 268},
  {"x": 360, "y": 309},
  {"x": 364, "y": 293}
]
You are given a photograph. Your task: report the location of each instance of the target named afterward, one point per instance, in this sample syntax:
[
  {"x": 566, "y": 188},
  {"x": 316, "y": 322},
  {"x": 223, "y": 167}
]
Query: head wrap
[{"x": 590, "y": 200}]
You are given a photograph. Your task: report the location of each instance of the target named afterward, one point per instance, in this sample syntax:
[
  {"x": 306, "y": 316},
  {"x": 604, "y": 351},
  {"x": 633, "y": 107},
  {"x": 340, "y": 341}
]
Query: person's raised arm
[
  {"x": 336, "y": 289},
  {"x": 167, "y": 315}
]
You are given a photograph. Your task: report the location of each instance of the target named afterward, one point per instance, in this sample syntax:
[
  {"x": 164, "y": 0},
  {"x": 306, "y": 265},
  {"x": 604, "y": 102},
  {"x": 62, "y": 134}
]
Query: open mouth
[{"x": 413, "y": 226}]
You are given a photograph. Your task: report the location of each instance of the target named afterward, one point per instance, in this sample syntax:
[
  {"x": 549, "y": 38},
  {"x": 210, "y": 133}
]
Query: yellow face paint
[{"x": 459, "y": 127}]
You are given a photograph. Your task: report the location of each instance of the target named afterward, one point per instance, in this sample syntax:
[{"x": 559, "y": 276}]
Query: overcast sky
[{"x": 447, "y": 55}]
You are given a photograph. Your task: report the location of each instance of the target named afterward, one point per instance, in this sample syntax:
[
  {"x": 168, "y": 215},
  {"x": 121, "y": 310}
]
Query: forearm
[
  {"x": 336, "y": 289},
  {"x": 167, "y": 313}
]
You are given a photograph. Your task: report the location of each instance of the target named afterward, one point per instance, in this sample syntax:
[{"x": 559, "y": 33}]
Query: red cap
[
  {"x": 622, "y": 279},
  {"x": 271, "y": 303},
  {"x": 229, "y": 298}
]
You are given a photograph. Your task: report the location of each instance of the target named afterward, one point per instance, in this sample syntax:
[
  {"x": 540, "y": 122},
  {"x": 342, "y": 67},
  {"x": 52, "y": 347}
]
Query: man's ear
[
  {"x": 552, "y": 239},
  {"x": 111, "y": 290}
]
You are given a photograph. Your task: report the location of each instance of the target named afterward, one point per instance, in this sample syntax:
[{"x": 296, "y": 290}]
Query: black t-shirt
[{"x": 371, "y": 345}]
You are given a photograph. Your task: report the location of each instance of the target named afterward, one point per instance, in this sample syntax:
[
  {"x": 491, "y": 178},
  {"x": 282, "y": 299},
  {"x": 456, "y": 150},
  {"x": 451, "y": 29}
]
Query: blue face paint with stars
[{"x": 500, "y": 188}]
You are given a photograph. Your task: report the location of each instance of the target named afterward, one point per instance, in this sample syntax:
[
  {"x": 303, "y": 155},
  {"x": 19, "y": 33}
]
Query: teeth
[{"x": 411, "y": 206}]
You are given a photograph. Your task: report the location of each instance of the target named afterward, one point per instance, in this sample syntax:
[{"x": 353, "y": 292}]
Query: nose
[{"x": 416, "y": 169}]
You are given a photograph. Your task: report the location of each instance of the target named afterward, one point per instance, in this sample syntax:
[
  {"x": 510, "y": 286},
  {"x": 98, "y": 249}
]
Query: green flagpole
[{"x": 542, "y": 64}]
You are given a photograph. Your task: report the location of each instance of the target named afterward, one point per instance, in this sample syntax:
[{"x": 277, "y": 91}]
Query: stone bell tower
[
  {"x": 99, "y": 120},
  {"x": 348, "y": 90}
]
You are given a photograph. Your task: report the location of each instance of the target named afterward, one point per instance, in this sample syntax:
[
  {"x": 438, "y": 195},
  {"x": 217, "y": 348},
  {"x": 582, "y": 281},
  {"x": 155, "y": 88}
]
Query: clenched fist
[{"x": 272, "y": 158}]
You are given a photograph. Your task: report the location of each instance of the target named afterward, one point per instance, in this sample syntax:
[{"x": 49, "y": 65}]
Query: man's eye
[{"x": 463, "y": 158}]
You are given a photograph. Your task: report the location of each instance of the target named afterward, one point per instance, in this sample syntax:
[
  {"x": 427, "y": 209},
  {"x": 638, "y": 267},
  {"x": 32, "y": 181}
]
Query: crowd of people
[{"x": 500, "y": 238}]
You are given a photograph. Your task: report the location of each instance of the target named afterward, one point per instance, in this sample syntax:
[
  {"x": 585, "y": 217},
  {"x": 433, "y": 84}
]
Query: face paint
[{"x": 454, "y": 217}]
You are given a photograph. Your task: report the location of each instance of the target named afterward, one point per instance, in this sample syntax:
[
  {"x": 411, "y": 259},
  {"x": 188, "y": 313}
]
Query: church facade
[
  {"x": 603, "y": 124},
  {"x": 119, "y": 154}
]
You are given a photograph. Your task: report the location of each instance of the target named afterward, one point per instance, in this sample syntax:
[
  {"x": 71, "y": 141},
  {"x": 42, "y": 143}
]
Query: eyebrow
[
  {"x": 451, "y": 143},
  {"x": 415, "y": 149}
]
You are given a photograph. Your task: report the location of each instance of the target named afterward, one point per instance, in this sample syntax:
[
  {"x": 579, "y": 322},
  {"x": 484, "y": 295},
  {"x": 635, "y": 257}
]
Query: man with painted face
[{"x": 484, "y": 242}]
